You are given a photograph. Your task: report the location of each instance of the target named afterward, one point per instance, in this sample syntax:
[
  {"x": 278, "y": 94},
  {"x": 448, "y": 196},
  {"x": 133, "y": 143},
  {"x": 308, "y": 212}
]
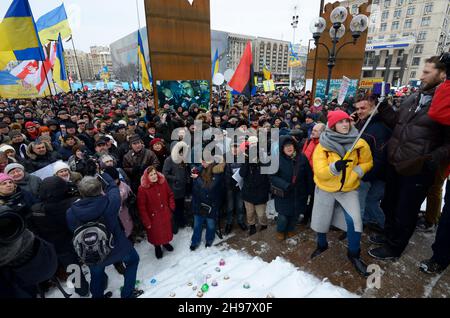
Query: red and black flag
[{"x": 243, "y": 78}]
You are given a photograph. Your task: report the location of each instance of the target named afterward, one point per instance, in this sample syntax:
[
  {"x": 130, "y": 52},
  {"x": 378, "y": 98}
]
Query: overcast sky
[{"x": 101, "y": 22}]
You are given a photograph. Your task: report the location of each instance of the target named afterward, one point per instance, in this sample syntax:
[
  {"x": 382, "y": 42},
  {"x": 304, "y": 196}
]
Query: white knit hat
[
  {"x": 5, "y": 148},
  {"x": 58, "y": 166},
  {"x": 13, "y": 166}
]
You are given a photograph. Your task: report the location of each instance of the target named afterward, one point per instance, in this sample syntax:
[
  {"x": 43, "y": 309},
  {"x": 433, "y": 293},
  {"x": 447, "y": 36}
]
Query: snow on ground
[{"x": 179, "y": 272}]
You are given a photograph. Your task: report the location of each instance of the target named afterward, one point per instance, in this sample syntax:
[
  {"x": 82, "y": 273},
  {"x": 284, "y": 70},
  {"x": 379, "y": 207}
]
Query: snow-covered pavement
[{"x": 178, "y": 273}]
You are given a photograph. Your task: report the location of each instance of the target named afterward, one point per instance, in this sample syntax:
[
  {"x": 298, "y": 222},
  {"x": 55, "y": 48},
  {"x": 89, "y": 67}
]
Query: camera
[{"x": 12, "y": 225}]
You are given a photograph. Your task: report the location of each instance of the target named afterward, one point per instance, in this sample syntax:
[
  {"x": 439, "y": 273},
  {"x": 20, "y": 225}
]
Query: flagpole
[
  {"x": 76, "y": 60},
  {"x": 46, "y": 74},
  {"x": 138, "y": 61}
]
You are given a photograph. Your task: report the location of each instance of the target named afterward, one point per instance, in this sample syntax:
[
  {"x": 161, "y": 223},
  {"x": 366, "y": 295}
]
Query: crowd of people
[{"x": 103, "y": 167}]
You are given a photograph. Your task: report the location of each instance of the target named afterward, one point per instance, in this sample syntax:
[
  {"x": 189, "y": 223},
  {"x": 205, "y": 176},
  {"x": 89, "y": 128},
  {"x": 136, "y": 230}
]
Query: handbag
[
  {"x": 278, "y": 192},
  {"x": 205, "y": 210}
]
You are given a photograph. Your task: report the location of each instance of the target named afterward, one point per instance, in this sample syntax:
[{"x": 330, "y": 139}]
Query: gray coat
[{"x": 31, "y": 184}]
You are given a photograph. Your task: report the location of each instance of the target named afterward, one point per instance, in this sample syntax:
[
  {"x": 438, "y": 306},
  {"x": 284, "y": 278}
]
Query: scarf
[{"x": 339, "y": 143}]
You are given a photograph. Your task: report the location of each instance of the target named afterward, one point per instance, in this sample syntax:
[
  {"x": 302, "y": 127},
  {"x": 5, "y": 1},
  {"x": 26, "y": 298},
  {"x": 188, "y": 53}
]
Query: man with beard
[{"x": 418, "y": 147}]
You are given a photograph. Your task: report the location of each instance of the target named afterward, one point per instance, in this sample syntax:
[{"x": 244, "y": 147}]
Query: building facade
[
  {"x": 101, "y": 58},
  {"x": 402, "y": 35},
  {"x": 84, "y": 70}
]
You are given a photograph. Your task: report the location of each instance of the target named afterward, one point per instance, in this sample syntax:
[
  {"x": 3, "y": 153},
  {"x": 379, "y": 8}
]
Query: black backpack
[{"x": 93, "y": 242}]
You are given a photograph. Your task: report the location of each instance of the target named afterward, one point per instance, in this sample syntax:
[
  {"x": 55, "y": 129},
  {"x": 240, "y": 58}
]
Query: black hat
[
  {"x": 113, "y": 173},
  {"x": 101, "y": 141},
  {"x": 52, "y": 122},
  {"x": 71, "y": 125}
]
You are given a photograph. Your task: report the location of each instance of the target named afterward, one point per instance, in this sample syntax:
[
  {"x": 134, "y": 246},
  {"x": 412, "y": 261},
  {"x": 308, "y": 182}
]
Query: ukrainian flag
[
  {"x": 18, "y": 33},
  {"x": 53, "y": 23},
  {"x": 215, "y": 64},
  {"x": 143, "y": 65},
  {"x": 59, "y": 69},
  {"x": 267, "y": 73}
]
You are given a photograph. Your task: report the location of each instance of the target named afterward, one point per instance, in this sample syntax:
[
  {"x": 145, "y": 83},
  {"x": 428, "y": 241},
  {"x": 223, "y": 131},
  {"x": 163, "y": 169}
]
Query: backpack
[{"x": 93, "y": 242}]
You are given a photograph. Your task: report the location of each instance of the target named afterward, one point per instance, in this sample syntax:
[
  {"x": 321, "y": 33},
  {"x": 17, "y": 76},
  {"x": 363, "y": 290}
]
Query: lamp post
[
  {"x": 294, "y": 25},
  {"x": 338, "y": 17}
]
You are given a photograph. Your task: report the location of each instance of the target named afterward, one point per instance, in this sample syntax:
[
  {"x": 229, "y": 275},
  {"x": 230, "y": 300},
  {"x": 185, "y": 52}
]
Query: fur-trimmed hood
[
  {"x": 30, "y": 153},
  {"x": 145, "y": 182}
]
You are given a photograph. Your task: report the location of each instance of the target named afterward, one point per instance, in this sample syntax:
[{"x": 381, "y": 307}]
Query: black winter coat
[{"x": 256, "y": 185}]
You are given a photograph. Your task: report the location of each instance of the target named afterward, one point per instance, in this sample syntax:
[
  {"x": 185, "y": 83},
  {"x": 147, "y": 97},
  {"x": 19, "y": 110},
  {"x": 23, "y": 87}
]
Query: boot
[
  {"x": 263, "y": 228},
  {"x": 319, "y": 250},
  {"x": 252, "y": 230},
  {"x": 280, "y": 236},
  {"x": 158, "y": 252},
  {"x": 291, "y": 234},
  {"x": 228, "y": 229},
  {"x": 168, "y": 247},
  {"x": 360, "y": 266},
  {"x": 243, "y": 226}
]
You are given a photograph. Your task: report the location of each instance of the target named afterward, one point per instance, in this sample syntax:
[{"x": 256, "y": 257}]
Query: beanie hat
[
  {"x": 59, "y": 165},
  {"x": 4, "y": 177},
  {"x": 106, "y": 158},
  {"x": 13, "y": 166},
  {"x": 5, "y": 148},
  {"x": 30, "y": 124},
  {"x": 335, "y": 116},
  {"x": 135, "y": 138},
  {"x": 155, "y": 141},
  {"x": 112, "y": 172},
  {"x": 14, "y": 133}
]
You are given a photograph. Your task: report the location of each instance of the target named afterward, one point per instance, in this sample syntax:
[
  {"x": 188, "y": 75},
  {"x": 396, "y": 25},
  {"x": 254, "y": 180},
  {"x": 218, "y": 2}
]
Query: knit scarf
[{"x": 339, "y": 143}]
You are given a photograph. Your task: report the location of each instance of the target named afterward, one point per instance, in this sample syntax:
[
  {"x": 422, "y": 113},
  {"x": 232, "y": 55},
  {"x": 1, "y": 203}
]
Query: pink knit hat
[{"x": 4, "y": 177}]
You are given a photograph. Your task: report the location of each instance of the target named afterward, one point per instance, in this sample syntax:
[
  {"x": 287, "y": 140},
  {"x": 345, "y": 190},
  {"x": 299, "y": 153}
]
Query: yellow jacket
[{"x": 324, "y": 177}]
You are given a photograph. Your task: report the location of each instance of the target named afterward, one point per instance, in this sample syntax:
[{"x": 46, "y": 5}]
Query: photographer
[
  {"x": 50, "y": 220},
  {"x": 25, "y": 260}
]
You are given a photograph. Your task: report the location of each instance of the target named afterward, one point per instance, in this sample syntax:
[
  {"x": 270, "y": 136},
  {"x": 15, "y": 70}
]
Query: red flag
[{"x": 242, "y": 80}]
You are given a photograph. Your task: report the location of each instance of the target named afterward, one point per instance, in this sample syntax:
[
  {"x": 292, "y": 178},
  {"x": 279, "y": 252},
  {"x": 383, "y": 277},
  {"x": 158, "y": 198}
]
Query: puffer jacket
[
  {"x": 416, "y": 137},
  {"x": 323, "y": 177}
]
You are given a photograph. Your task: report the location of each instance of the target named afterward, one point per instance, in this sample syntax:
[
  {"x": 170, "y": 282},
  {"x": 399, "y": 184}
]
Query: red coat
[
  {"x": 156, "y": 203},
  {"x": 440, "y": 107},
  {"x": 308, "y": 149}
]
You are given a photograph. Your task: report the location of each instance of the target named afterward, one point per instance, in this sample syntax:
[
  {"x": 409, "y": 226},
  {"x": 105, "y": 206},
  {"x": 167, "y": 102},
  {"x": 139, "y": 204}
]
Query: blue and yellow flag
[
  {"x": 267, "y": 73},
  {"x": 18, "y": 33},
  {"x": 59, "y": 69},
  {"x": 53, "y": 23},
  {"x": 294, "y": 59},
  {"x": 215, "y": 64},
  {"x": 146, "y": 84}
]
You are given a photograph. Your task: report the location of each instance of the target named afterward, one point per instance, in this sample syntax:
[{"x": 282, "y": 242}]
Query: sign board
[
  {"x": 344, "y": 90},
  {"x": 335, "y": 86},
  {"x": 367, "y": 82},
  {"x": 269, "y": 86}
]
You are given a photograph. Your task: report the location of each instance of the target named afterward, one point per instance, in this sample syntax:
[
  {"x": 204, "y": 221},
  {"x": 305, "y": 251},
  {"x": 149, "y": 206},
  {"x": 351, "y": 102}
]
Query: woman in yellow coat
[{"x": 336, "y": 200}]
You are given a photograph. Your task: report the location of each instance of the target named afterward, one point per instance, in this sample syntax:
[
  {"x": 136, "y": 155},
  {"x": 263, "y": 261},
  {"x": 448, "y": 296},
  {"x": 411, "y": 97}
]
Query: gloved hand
[{"x": 341, "y": 164}]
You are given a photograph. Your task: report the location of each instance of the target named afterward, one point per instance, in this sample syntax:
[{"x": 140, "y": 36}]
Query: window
[
  {"x": 400, "y": 2},
  {"x": 418, "y": 49},
  {"x": 426, "y": 21},
  {"x": 383, "y": 27},
  {"x": 428, "y": 8},
  {"x": 367, "y": 73},
  {"x": 416, "y": 61},
  {"x": 411, "y": 1},
  {"x": 395, "y": 25},
  {"x": 413, "y": 74},
  {"x": 408, "y": 23},
  {"x": 355, "y": 9},
  {"x": 381, "y": 37},
  {"x": 411, "y": 11},
  {"x": 376, "y": 2},
  {"x": 397, "y": 13},
  {"x": 385, "y": 15},
  {"x": 422, "y": 36},
  {"x": 393, "y": 36},
  {"x": 387, "y": 3}
]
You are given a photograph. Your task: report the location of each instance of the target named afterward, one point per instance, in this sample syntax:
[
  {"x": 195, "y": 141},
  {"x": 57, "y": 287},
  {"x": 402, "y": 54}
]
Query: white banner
[{"x": 344, "y": 90}]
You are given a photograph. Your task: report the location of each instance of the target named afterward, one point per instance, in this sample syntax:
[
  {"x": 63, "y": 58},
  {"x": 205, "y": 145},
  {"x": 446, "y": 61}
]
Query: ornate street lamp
[{"x": 338, "y": 16}]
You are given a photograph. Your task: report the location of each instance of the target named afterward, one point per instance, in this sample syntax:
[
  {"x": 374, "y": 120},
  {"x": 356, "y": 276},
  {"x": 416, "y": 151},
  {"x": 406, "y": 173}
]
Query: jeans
[
  {"x": 198, "y": 228},
  {"x": 353, "y": 237},
  {"x": 235, "y": 203},
  {"x": 370, "y": 195},
  {"x": 98, "y": 276},
  {"x": 286, "y": 224}
]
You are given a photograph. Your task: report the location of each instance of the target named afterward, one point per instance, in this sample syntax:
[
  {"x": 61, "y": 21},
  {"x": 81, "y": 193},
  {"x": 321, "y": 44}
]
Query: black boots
[
  {"x": 158, "y": 252},
  {"x": 262, "y": 228},
  {"x": 168, "y": 247},
  {"x": 228, "y": 228},
  {"x": 319, "y": 250},
  {"x": 252, "y": 230},
  {"x": 243, "y": 226},
  {"x": 360, "y": 266}
]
